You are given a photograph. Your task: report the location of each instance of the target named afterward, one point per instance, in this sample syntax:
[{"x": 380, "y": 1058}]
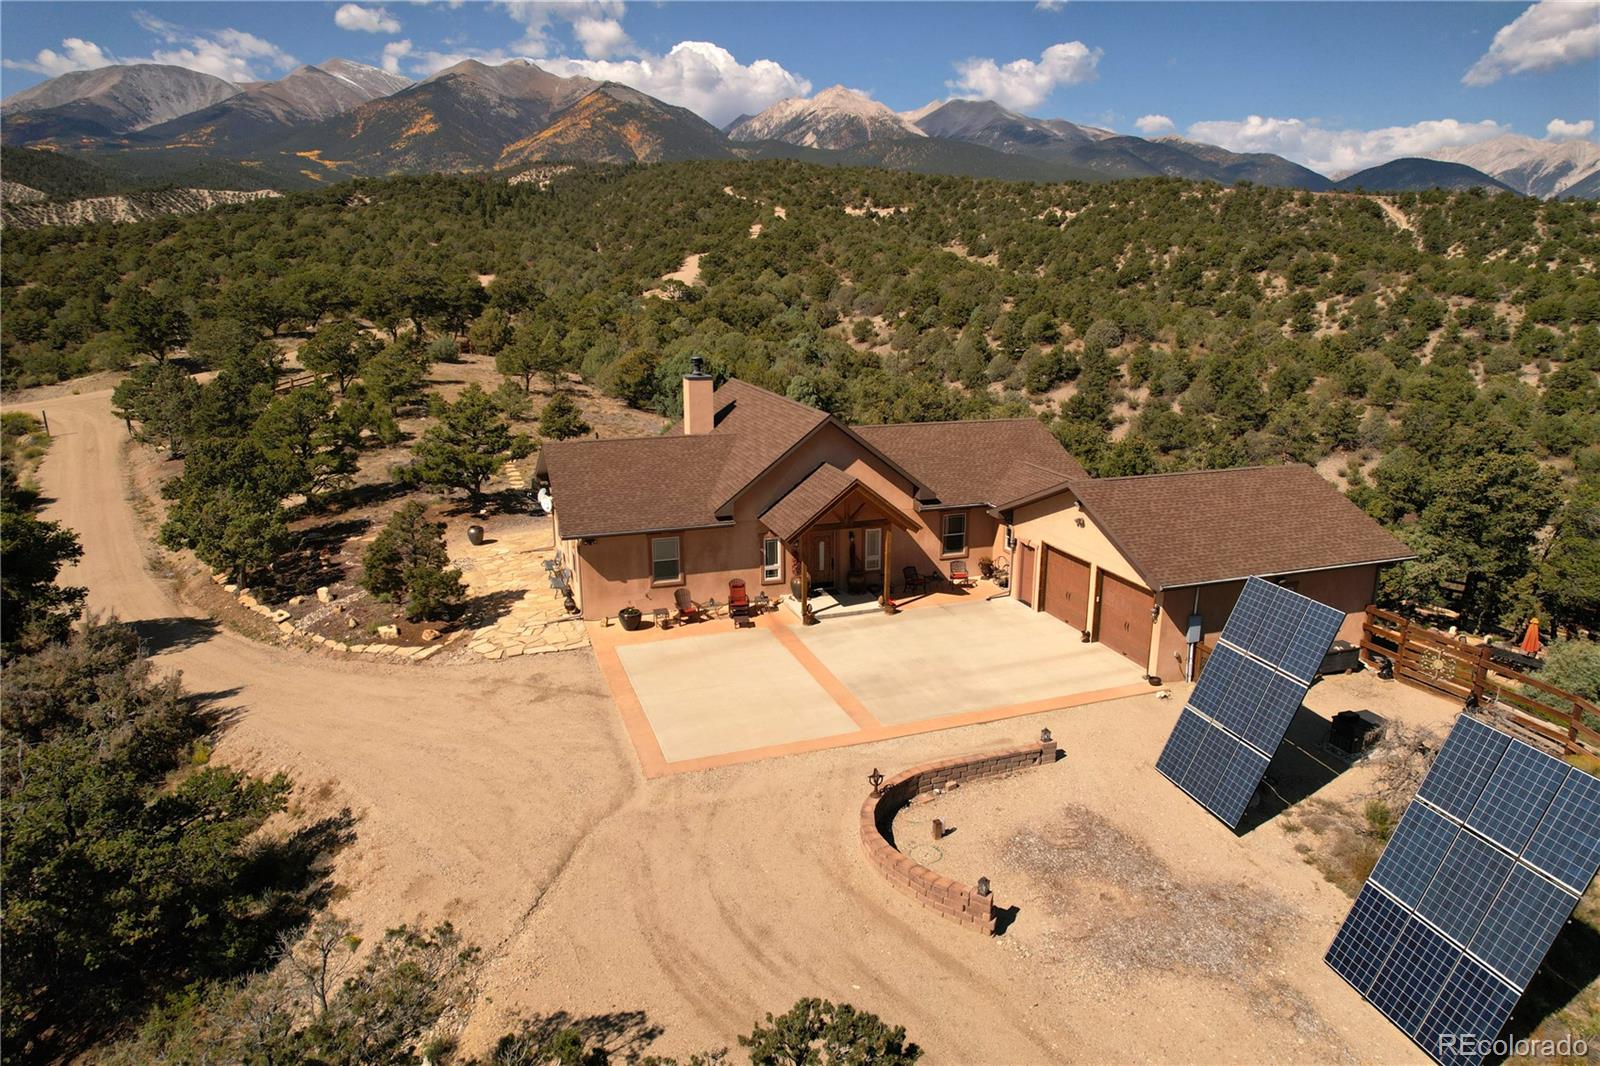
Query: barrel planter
[
  {"x": 475, "y": 534},
  {"x": 630, "y": 617}
]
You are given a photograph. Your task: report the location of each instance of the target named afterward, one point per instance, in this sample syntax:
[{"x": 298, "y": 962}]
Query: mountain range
[{"x": 340, "y": 119}]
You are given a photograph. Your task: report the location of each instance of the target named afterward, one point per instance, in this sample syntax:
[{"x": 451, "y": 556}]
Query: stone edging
[
  {"x": 949, "y": 899},
  {"x": 285, "y": 623}
]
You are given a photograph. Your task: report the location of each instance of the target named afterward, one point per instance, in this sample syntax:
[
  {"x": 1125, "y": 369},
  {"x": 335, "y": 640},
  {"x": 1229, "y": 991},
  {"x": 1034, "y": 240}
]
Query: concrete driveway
[
  {"x": 950, "y": 659},
  {"x": 697, "y": 698},
  {"x": 728, "y": 692}
]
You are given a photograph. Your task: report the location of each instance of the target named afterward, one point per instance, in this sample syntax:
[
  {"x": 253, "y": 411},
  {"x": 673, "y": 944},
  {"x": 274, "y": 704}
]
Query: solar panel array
[
  {"x": 1471, "y": 891},
  {"x": 1253, "y": 682}
]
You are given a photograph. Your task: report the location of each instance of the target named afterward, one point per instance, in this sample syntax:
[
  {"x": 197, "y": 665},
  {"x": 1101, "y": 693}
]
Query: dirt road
[
  {"x": 461, "y": 777},
  {"x": 505, "y": 797}
]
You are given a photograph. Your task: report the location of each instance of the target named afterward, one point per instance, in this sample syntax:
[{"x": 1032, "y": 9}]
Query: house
[{"x": 792, "y": 501}]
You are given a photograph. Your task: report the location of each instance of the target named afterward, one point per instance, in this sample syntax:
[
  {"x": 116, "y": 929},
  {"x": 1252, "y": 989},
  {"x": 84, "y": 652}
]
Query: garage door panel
[
  {"x": 1066, "y": 588},
  {"x": 1125, "y": 618}
]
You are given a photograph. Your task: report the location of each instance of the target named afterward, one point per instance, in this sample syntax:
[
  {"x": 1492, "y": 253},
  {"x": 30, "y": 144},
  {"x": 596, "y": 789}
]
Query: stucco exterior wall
[
  {"x": 1350, "y": 589},
  {"x": 614, "y": 572}
]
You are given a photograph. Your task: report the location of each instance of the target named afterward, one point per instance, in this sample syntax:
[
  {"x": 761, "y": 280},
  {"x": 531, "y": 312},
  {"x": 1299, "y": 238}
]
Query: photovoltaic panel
[
  {"x": 1521, "y": 924},
  {"x": 1567, "y": 844},
  {"x": 1476, "y": 884},
  {"x": 1412, "y": 857},
  {"x": 1406, "y": 993},
  {"x": 1516, "y": 798},
  {"x": 1468, "y": 880},
  {"x": 1224, "y": 775},
  {"x": 1247, "y": 695},
  {"x": 1181, "y": 746},
  {"x": 1282, "y": 627},
  {"x": 1473, "y": 1003},
  {"x": 1462, "y": 767},
  {"x": 1367, "y": 936},
  {"x": 1215, "y": 769},
  {"x": 1247, "y": 698}
]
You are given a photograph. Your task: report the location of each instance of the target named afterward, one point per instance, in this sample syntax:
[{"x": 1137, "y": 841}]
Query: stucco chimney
[{"x": 698, "y": 414}]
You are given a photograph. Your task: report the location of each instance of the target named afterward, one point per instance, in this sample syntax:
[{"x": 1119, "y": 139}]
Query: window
[
  {"x": 666, "y": 566},
  {"x": 771, "y": 559},
  {"x": 872, "y": 549},
  {"x": 955, "y": 534}
]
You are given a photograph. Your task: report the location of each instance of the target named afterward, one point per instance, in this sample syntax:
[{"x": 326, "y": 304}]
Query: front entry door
[{"x": 819, "y": 559}]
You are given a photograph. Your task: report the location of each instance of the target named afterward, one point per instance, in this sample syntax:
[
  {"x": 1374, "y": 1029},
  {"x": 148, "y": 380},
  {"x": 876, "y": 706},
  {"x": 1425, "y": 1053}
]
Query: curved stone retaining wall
[{"x": 958, "y": 902}]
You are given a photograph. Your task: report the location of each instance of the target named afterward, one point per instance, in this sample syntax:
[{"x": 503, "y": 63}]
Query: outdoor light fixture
[
  {"x": 1155, "y": 612},
  {"x": 1044, "y": 736},
  {"x": 875, "y": 779},
  {"x": 983, "y": 886}
]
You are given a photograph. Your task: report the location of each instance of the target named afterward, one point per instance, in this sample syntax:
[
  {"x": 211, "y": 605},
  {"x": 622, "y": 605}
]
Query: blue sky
[{"x": 1334, "y": 85}]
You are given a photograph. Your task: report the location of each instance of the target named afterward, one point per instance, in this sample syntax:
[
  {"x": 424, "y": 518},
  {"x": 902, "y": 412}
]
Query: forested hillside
[{"x": 1437, "y": 353}]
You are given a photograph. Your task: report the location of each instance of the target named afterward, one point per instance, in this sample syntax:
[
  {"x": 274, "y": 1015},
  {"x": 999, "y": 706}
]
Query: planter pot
[
  {"x": 630, "y": 617},
  {"x": 475, "y": 534}
]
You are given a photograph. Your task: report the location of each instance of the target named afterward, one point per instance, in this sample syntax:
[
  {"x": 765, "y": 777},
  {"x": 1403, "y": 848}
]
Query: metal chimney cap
[{"x": 697, "y": 367}]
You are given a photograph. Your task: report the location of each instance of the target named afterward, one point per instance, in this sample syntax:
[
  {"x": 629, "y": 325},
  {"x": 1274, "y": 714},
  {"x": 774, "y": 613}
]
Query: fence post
[{"x": 1480, "y": 671}]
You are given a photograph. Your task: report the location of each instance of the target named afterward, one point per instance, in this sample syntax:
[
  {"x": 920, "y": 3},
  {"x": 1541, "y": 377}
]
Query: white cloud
[
  {"x": 76, "y": 54},
  {"x": 1549, "y": 34},
  {"x": 601, "y": 38},
  {"x": 1336, "y": 152},
  {"x": 596, "y": 24},
  {"x": 1149, "y": 125},
  {"x": 1025, "y": 83},
  {"x": 230, "y": 54},
  {"x": 1050, "y": 5},
  {"x": 393, "y": 53},
  {"x": 699, "y": 75},
  {"x": 365, "y": 19},
  {"x": 1559, "y": 129}
]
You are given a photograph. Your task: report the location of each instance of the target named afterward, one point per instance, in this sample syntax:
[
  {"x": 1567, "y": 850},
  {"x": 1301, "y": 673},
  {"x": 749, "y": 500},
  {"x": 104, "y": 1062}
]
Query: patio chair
[
  {"x": 958, "y": 574},
  {"x": 688, "y": 610},
  {"x": 738, "y": 602},
  {"x": 914, "y": 581}
]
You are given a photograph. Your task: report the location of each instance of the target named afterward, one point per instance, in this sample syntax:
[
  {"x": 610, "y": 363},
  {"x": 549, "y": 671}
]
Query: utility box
[
  {"x": 1355, "y": 732},
  {"x": 1343, "y": 658}
]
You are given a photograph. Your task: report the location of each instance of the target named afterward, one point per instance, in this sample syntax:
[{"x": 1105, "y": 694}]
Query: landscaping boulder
[
  {"x": 325, "y": 594},
  {"x": 389, "y": 631}
]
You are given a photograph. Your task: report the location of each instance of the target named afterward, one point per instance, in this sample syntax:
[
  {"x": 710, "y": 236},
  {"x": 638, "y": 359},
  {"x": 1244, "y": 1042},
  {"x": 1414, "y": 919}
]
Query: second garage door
[
  {"x": 1125, "y": 618},
  {"x": 1066, "y": 588}
]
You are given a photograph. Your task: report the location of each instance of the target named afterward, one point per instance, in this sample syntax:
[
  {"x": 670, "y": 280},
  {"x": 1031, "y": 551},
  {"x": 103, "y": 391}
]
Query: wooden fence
[{"x": 1438, "y": 662}]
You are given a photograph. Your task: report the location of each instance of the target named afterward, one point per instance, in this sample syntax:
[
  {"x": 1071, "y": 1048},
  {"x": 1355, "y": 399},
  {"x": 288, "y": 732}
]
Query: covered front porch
[{"x": 838, "y": 539}]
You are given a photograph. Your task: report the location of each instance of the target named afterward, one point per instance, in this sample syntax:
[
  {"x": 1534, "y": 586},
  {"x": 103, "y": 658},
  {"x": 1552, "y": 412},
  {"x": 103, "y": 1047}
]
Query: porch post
[
  {"x": 888, "y": 571},
  {"x": 805, "y": 583}
]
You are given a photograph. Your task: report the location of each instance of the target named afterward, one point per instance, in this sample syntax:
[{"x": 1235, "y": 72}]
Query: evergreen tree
[
  {"x": 407, "y": 562},
  {"x": 468, "y": 445}
]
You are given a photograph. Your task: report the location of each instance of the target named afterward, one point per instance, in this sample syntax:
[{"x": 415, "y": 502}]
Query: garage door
[
  {"x": 1024, "y": 578},
  {"x": 1066, "y": 588},
  {"x": 1125, "y": 618}
]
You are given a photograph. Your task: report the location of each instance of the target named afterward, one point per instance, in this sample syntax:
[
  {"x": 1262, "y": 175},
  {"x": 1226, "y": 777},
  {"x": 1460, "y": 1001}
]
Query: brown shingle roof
[
  {"x": 766, "y": 425},
  {"x": 990, "y": 462},
  {"x": 1218, "y": 525},
  {"x": 806, "y": 500},
  {"x": 674, "y": 481},
  {"x": 635, "y": 485}
]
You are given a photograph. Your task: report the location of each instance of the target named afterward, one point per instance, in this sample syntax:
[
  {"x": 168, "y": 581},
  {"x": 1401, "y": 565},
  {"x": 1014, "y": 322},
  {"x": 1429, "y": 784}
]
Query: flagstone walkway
[{"x": 510, "y": 565}]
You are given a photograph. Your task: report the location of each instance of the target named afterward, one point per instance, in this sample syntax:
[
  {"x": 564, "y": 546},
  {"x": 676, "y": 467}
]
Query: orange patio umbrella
[{"x": 1530, "y": 639}]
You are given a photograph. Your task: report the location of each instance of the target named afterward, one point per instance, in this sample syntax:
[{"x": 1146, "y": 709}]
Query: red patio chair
[
  {"x": 738, "y": 601},
  {"x": 958, "y": 574},
  {"x": 913, "y": 580},
  {"x": 688, "y": 610}
]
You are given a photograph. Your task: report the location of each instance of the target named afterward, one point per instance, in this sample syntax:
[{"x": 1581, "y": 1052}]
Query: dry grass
[{"x": 1120, "y": 913}]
